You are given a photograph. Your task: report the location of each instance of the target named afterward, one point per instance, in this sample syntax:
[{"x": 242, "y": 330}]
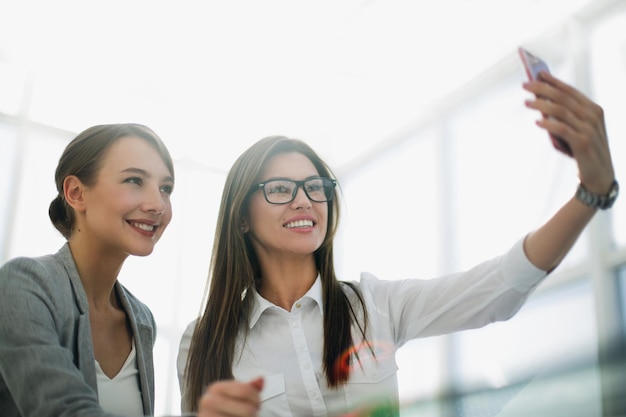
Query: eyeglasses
[{"x": 283, "y": 190}]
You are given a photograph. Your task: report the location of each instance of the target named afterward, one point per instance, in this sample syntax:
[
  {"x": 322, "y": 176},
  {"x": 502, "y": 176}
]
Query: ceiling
[{"x": 213, "y": 76}]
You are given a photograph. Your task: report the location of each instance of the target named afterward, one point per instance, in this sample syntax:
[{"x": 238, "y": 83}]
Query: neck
[
  {"x": 98, "y": 273},
  {"x": 284, "y": 282}
]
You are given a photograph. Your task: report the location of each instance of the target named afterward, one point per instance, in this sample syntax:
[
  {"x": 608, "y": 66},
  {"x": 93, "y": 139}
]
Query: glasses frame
[{"x": 299, "y": 184}]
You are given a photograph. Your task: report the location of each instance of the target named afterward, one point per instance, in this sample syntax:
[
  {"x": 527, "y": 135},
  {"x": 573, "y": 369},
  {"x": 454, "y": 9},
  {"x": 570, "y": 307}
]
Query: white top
[
  {"x": 286, "y": 346},
  {"x": 121, "y": 394}
]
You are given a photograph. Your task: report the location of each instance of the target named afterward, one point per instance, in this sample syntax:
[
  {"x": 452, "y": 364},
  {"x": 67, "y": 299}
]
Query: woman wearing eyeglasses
[{"x": 324, "y": 346}]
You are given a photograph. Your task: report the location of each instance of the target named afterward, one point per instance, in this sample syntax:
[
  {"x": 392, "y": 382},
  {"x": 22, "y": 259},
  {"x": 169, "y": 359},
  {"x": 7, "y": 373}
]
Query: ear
[
  {"x": 73, "y": 190},
  {"x": 244, "y": 228}
]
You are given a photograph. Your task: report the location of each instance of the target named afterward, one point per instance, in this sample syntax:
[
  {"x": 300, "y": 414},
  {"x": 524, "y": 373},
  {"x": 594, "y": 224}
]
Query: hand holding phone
[{"x": 534, "y": 65}]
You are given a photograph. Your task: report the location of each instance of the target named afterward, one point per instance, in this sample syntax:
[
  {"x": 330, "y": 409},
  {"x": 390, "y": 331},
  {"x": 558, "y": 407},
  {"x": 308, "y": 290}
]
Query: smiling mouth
[
  {"x": 143, "y": 226},
  {"x": 299, "y": 223}
]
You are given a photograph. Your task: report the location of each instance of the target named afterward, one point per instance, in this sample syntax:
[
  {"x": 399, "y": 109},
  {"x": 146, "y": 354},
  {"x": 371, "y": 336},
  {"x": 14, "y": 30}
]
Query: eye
[
  {"x": 314, "y": 186},
  {"x": 278, "y": 188},
  {"x": 167, "y": 189},
  {"x": 134, "y": 180}
]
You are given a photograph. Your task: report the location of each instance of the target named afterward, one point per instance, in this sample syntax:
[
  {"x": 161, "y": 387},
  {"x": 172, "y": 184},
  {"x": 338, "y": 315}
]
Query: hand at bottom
[{"x": 231, "y": 399}]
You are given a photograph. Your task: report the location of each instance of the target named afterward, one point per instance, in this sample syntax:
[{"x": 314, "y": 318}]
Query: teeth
[
  {"x": 300, "y": 223},
  {"x": 142, "y": 226}
]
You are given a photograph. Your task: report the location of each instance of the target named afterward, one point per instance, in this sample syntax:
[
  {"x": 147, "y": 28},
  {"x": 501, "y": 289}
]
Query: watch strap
[{"x": 603, "y": 202}]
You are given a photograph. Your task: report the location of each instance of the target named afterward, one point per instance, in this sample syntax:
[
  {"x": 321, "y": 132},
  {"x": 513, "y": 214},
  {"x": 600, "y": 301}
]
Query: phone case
[{"x": 534, "y": 65}]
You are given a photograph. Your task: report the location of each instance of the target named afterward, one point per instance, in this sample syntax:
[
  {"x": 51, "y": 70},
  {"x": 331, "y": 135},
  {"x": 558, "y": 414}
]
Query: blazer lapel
[
  {"x": 85, "y": 359},
  {"x": 143, "y": 335}
]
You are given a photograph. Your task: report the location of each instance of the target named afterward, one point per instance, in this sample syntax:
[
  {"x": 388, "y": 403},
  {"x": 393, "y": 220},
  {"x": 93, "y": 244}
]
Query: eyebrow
[
  {"x": 310, "y": 177},
  {"x": 144, "y": 173}
]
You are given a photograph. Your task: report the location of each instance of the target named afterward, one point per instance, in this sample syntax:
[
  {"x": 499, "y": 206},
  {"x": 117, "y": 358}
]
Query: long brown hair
[{"x": 234, "y": 268}]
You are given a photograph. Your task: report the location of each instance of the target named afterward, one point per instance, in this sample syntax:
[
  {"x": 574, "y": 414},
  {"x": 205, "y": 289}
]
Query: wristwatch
[{"x": 603, "y": 202}]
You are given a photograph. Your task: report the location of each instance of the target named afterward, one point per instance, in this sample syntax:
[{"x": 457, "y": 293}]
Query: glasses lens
[
  {"x": 279, "y": 191},
  {"x": 284, "y": 191},
  {"x": 319, "y": 189}
]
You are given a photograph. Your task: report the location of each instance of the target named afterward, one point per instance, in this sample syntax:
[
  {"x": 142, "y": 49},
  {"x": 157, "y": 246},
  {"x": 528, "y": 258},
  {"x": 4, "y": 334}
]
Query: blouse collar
[{"x": 260, "y": 304}]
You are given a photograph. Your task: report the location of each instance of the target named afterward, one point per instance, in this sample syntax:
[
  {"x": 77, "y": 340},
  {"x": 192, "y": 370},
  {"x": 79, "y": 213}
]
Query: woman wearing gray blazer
[
  {"x": 73, "y": 341},
  {"x": 46, "y": 351}
]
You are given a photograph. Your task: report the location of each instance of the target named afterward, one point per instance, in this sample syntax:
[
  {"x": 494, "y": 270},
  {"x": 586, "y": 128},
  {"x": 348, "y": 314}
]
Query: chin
[{"x": 142, "y": 252}]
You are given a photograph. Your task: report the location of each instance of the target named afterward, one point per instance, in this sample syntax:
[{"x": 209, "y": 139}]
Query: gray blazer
[{"x": 47, "y": 364}]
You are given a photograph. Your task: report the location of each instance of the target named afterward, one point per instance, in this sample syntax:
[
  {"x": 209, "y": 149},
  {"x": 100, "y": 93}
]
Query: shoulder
[
  {"x": 191, "y": 327},
  {"x": 37, "y": 287},
  {"x": 48, "y": 273},
  {"x": 185, "y": 343},
  {"x": 31, "y": 264},
  {"x": 367, "y": 283},
  {"x": 185, "y": 340},
  {"x": 375, "y": 291},
  {"x": 364, "y": 289}
]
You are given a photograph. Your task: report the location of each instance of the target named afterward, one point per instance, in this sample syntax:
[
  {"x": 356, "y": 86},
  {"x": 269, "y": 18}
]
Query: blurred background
[{"x": 417, "y": 106}]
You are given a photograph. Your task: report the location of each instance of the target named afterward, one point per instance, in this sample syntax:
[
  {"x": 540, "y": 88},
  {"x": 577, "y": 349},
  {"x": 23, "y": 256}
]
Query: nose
[
  {"x": 155, "y": 202},
  {"x": 301, "y": 200}
]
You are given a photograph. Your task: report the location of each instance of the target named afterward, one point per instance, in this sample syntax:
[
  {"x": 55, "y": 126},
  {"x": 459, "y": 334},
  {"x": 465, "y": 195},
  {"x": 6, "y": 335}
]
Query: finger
[
  {"x": 258, "y": 383},
  {"x": 225, "y": 407},
  {"x": 566, "y": 109},
  {"x": 580, "y": 114},
  {"x": 551, "y": 87},
  {"x": 215, "y": 406},
  {"x": 236, "y": 390},
  {"x": 588, "y": 119},
  {"x": 579, "y": 121},
  {"x": 564, "y": 102},
  {"x": 567, "y": 89},
  {"x": 230, "y": 398},
  {"x": 587, "y": 140}
]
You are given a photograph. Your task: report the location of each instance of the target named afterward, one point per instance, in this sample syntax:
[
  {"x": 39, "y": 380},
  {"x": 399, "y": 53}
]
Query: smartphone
[{"x": 533, "y": 66}]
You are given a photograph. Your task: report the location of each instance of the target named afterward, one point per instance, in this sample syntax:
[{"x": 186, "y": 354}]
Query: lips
[
  {"x": 143, "y": 226},
  {"x": 299, "y": 223}
]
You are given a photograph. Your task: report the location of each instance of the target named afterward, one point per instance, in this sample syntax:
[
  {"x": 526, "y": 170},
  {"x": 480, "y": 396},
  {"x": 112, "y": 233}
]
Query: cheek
[
  {"x": 323, "y": 214},
  {"x": 326, "y": 222},
  {"x": 168, "y": 214},
  {"x": 125, "y": 199},
  {"x": 259, "y": 212}
]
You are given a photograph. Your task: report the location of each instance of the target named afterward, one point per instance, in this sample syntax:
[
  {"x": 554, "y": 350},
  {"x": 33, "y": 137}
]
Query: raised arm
[{"x": 569, "y": 114}]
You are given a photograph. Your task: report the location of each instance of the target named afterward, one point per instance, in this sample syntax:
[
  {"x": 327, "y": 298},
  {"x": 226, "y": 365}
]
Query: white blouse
[
  {"x": 121, "y": 394},
  {"x": 286, "y": 346}
]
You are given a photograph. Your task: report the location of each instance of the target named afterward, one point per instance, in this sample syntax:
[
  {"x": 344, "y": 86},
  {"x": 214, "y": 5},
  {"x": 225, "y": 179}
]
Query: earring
[{"x": 243, "y": 229}]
